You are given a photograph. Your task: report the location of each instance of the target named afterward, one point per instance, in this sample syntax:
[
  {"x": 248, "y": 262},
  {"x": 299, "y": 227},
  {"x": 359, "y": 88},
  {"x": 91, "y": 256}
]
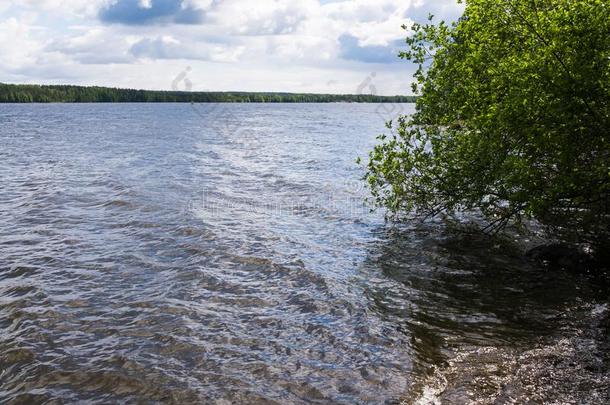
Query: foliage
[
  {"x": 12, "y": 93},
  {"x": 512, "y": 121}
]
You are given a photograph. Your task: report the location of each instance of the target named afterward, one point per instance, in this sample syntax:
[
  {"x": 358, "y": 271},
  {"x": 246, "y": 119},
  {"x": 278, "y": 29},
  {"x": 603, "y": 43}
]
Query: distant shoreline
[{"x": 31, "y": 93}]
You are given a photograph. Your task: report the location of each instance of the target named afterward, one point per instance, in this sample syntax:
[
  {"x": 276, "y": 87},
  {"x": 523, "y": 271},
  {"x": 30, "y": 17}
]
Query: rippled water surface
[{"x": 222, "y": 254}]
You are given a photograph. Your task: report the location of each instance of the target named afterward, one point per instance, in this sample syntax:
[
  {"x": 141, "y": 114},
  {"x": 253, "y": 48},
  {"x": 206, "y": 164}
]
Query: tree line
[{"x": 27, "y": 93}]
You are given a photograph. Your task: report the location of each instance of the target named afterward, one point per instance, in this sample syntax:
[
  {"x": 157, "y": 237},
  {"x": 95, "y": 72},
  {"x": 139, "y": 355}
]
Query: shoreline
[{"x": 33, "y": 93}]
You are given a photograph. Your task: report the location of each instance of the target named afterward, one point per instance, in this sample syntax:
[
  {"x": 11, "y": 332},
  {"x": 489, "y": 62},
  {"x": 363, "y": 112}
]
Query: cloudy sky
[{"x": 322, "y": 46}]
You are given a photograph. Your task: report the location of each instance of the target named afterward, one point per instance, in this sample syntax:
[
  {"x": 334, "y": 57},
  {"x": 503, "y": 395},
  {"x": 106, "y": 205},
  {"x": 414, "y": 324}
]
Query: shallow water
[{"x": 222, "y": 254}]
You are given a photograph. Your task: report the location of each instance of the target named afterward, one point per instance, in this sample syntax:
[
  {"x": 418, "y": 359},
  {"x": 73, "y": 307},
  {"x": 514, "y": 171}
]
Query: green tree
[{"x": 512, "y": 121}]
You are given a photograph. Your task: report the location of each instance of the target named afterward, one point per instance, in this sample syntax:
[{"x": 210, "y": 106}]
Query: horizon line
[{"x": 205, "y": 91}]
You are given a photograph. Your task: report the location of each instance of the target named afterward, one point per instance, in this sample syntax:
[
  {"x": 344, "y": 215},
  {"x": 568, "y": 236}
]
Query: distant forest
[{"x": 20, "y": 93}]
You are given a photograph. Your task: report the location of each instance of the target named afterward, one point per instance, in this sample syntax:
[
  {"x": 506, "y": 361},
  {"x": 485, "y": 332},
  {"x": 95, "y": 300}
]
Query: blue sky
[{"x": 322, "y": 46}]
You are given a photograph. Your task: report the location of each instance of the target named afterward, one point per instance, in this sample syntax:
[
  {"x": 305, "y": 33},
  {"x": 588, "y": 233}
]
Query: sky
[{"x": 315, "y": 46}]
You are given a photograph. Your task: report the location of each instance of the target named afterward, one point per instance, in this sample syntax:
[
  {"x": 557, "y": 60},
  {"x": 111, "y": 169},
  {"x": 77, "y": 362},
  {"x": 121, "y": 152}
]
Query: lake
[{"x": 223, "y": 253}]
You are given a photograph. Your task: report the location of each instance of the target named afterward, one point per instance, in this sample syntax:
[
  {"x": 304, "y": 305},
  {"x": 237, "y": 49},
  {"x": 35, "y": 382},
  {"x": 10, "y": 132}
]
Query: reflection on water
[
  {"x": 483, "y": 324},
  {"x": 152, "y": 254}
]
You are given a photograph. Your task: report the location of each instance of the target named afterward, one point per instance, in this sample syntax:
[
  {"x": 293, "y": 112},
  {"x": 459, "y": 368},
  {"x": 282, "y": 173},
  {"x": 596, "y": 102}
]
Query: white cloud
[
  {"x": 145, "y": 3},
  {"x": 247, "y": 45},
  {"x": 97, "y": 45},
  {"x": 70, "y": 8},
  {"x": 263, "y": 17},
  {"x": 18, "y": 46},
  {"x": 168, "y": 47}
]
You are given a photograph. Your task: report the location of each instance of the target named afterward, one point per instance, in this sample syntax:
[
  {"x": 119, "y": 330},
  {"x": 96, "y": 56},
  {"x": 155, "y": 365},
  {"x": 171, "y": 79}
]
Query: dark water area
[{"x": 222, "y": 254}]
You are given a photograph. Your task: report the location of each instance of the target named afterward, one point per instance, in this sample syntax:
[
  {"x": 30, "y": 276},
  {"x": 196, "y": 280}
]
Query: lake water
[{"x": 222, "y": 254}]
